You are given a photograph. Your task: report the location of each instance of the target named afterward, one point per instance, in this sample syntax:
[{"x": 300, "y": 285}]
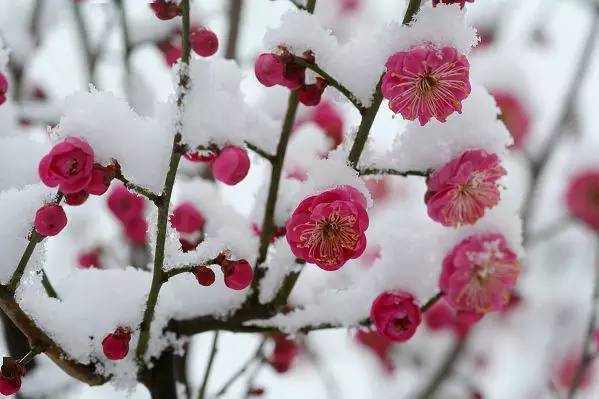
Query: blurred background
[{"x": 539, "y": 58}]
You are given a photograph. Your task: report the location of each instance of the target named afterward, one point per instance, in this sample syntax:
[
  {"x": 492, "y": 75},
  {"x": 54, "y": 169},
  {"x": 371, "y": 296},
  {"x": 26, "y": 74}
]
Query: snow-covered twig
[{"x": 405, "y": 173}]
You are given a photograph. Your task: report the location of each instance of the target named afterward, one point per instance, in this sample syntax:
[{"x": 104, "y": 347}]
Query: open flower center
[
  {"x": 327, "y": 237},
  {"x": 426, "y": 85},
  {"x": 401, "y": 324}
]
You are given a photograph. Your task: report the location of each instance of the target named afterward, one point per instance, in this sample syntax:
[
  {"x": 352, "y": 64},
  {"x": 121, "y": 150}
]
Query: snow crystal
[
  {"x": 16, "y": 214},
  {"x": 141, "y": 145}
]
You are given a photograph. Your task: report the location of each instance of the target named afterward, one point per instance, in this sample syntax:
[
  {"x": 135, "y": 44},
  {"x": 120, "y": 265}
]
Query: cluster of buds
[
  {"x": 70, "y": 165},
  {"x": 238, "y": 274},
  {"x": 283, "y": 70}
]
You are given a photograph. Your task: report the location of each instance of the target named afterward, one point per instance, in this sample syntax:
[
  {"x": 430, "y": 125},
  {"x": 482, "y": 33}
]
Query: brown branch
[
  {"x": 235, "y": 9},
  {"x": 255, "y": 357},
  {"x": 39, "y": 339},
  {"x": 395, "y": 172},
  {"x": 213, "y": 350},
  {"x": 444, "y": 370}
]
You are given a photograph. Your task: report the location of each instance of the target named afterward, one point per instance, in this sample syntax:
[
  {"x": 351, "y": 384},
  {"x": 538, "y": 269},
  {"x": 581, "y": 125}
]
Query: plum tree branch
[
  {"x": 176, "y": 152},
  {"x": 213, "y": 350},
  {"x": 394, "y": 172},
  {"x": 255, "y": 357}
]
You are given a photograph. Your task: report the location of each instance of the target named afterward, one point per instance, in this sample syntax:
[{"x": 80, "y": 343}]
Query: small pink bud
[
  {"x": 294, "y": 76},
  {"x": 191, "y": 243},
  {"x": 125, "y": 205},
  {"x": 256, "y": 391},
  {"x": 269, "y": 69},
  {"x": 77, "y": 198},
  {"x": 50, "y": 219},
  {"x": 231, "y": 165},
  {"x": 284, "y": 353},
  {"x": 136, "y": 229},
  {"x": 101, "y": 177},
  {"x": 396, "y": 315},
  {"x": 10, "y": 376},
  {"x": 116, "y": 344},
  {"x": 204, "y": 275},
  {"x": 89, "y": 260},
  {"x": 3, "y": 88},
  {"x": 310, "y": 95},
  {"x": 186, "y": 219},
  {"x": 170, "y": 52},
  {"x": 204, "y": 42},
  {"x": 238, "y": 274},
  {"x": 165, "y": 10}
]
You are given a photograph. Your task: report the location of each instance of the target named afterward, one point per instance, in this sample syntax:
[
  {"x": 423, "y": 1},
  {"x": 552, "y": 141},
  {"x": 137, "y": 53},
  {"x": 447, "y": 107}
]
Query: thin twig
[
  {"x": 395, "y": 172},
  {"x": 331, "y": 81},
  {"x": 444, "y": 370},
  {"x": 429, "y": 304},
  {"x": 84, "y": 37},
  {"x": 138, "y": 189},
  {"x": 260, "y": 151},
  {"x": 587, "y": 351},
  {"x": 214, "y": 349},
  {"x": 255, "y": 357},
  {"x": 48, "y": 285},
  {"x": 33, "y": 352}
]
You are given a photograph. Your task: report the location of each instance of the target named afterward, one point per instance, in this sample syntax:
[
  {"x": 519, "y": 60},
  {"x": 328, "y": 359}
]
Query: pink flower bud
[
  {"x": 165, "y": 10},
  {"x": 231, "y": 165},
  {"x": 284, "y": 353},
  {"x": 89, "y": 260},
  {"x": 3, "y": 88},
  {"x": 68, "y": 165},
  {"x": 238, "y": 274},
  {"x": 101, "y": 177},
  {"x": 186, "y": 218},
  {"x": 582, "y": 198},
  {"x": 125, "y": 205},
  {"x": 395, "y": 315},
  {"x": 204, "y": 275},
  {"x": 77, "y": 198},
  {"x": 50, "y": 219},
  {"x": 136, "y": 230},
  {"x": 116, "y": 344},
  {"x": 294, "y": 76},
  {"x": 170, "y": 52},
  {"x": 310, "y": 95},
  {"x": 269, "y": 69},
  {"x": 10, "y": 376},
  {"x": 328, "y": 118},
  {"x": 379, "y": 345},
  {"x": 204, "y": 42},
  {"x": 514, "y": 115}
]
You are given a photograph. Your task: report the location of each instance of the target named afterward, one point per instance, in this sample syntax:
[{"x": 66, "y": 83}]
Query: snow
[
  {"x": 16, "y": 214},
  {"x": 278, "y": 266},
  {"x": 142, "y": 146},
  {"x": 436, "y": 143},
  {"x": 218, "y": 112}
]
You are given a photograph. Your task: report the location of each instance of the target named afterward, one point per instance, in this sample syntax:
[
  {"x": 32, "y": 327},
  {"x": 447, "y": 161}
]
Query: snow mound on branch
[
  {"x": 432, "y": 145},
  {"x": 280, "y": 263},
  {"x": 359, "y": 63},
  {"x": 141, "y": 145},
  {"x": 17, "y": 211},
  {"x": 20, "y": 155},
  {"x": 216, "y": 111}
]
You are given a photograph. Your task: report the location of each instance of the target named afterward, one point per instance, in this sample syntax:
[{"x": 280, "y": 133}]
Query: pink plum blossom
[
  {"x": 479, "y": 274},
  {"x": 582, "y": 198},
  {"x": 426, "y": 82},
  {"x": 463, "y": 189},
  {"x": 69, "y": 165},
  {"x": 514, "y": 115},
  {"x": 328, "y": 229}
]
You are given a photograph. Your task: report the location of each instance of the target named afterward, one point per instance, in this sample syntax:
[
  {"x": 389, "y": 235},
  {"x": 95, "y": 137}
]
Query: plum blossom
[
  {"x": 116, "y": 344},
  {"x": 463, "y": 189},
  {"x": 426, "y": 82},
  {"x": 69, "y": 165},
  {"x": 204, "y": 42},
  {"x": 582, "y": 198},
  {"x": 50, "y": 220},
  {"x": 396, "y": 315},
  {"x": 328, "y": 229},
  {"x": 479, "y": 274},
  {"x": 231, "y": 165}
]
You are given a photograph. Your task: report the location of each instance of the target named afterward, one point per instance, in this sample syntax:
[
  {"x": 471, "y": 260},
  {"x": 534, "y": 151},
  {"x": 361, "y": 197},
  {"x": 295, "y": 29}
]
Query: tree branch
[
  {"x": 235, "y": 9},
  {"x": 158, "y": 273},
  {"x": 395, "y": 172},
  {"x": 260, "y": 151},
  {"x": 156, "y": 199},
  {"x": 444, "y": 371},
  {"x": 255, "y": 357}
]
